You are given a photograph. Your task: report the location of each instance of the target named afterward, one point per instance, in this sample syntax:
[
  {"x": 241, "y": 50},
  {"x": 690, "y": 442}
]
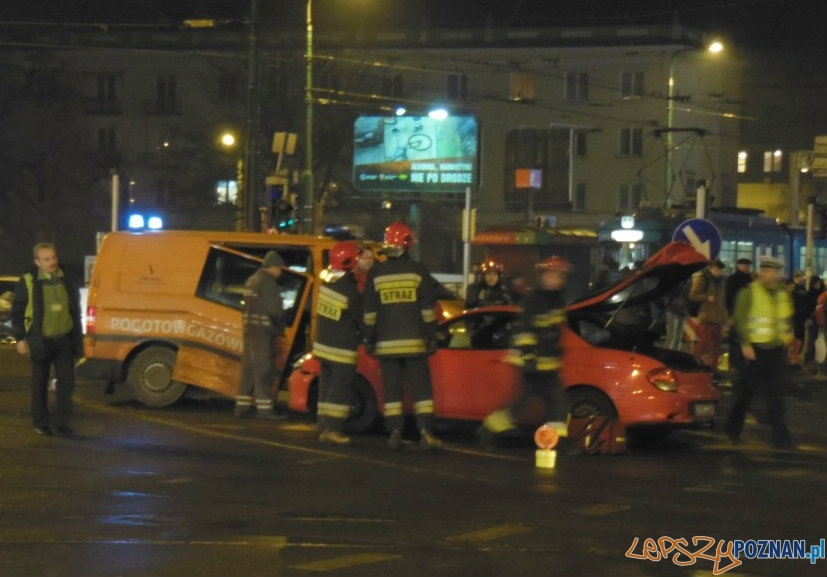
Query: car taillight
[
  {"x": 91, "y": 317},
  {"x": 663, "y": 379}
]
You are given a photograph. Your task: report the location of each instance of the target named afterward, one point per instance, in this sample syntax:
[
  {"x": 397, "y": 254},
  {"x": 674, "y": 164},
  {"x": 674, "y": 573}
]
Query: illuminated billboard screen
[{"x": 415, "y": 153}]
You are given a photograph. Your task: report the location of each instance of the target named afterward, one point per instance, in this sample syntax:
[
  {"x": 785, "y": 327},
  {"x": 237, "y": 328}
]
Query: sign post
[{"x": 701, "y": 234}]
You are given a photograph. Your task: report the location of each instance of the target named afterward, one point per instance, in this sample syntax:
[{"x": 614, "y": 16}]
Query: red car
[{"x": 612, "y": 365}]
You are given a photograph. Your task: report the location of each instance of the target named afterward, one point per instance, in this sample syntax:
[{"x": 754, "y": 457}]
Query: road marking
[
  {"x": 346, "y": 561},
  {"x": 602, "y": 509},
  {"x": 491, "y": 533}
]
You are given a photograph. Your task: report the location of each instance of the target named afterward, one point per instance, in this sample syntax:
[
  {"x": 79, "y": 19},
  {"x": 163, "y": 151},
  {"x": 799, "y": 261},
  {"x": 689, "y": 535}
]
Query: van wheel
[
  {"x": 363, "y": 407},
  {"x": 585, "y": 402},
  {"x": 150, "y": 374}
]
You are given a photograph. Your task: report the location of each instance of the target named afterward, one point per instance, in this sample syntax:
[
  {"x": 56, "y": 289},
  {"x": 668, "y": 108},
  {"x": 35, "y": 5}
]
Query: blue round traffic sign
[{"x": 702, "y": 234}]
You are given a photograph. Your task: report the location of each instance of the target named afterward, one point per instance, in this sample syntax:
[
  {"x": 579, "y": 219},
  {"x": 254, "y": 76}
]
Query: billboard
[{"x": 415, "y": 153}]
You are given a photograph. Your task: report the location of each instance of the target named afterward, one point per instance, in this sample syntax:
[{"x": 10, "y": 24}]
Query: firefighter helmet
[
  {"x": 492, "y": 265},
  {"x": 343, "y": 255},
  {"x": 399, "y": 236},
  {"x": 554, "y": 263}
]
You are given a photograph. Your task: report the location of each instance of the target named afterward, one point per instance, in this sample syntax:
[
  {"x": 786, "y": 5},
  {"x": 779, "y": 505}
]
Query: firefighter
[
  {"x": 263, "y": 323},
  {"x": 401, "y": 321},
  {"x": 339, "y": 333},
  {"x": 490, "y": 290},
  {"x": 537, "y": 351}
]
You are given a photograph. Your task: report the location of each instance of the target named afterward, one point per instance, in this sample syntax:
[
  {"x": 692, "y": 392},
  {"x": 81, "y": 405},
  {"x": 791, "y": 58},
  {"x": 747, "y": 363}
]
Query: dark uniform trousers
[
  {"x": 766, "y": 374},
  {"x": 418, "y": 375},
  {"x": 57, "y": 351},
  {"x": 334, "y": 395},
  {"x": 546, "y": 387},
  {"x": 258, "y": 372}
]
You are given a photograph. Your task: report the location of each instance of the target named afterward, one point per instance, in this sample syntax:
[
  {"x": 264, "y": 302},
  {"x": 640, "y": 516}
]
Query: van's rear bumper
[{"x": 99, "y": 370}]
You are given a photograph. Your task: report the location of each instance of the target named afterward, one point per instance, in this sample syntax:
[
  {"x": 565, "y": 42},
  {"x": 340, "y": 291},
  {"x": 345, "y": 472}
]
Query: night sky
[{"x": 754, "y": 24}]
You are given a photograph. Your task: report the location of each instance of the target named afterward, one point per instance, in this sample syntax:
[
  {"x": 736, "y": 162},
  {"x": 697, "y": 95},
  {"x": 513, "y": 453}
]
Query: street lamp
[
  {"x": 307, "y": 175},
  {"x": 714, "y": 47},
  {"x": 229, "y": 141}
]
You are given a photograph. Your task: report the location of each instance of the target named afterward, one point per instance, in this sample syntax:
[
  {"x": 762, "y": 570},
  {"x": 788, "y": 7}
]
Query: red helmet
[
  {"x": 400, "y": 236},
  {"x": 343, "y": 255},
  {"x": 557, "y": 263},
  {"x": 492, "y": 265}
]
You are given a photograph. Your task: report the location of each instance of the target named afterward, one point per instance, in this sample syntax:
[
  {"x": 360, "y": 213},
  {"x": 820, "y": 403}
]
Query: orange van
[{"x": 164, "y": 308}]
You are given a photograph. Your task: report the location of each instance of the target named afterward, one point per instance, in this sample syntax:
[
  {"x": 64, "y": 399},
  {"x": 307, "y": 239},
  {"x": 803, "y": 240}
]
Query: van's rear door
[{"x": 211, "y": 355}]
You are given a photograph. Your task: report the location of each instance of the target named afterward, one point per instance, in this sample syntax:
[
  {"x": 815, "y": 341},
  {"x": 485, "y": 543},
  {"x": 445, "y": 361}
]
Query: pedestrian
[
  {"x": 339, "y": 332},
  {"x": 364, "y": 263},
  {"x": 734, "y": 283},
  {"x": 401, "y": 321},
  {"x": 815, "y": 287},
  {"x": 709, "y": 289},
  {"x": 798, "y": 290},
  {"x": 763, "y": 318},
  {"x": 537, "y": 349},
  {"x": 490, "y": 290},
  {"x": 46, "y": 323},
  {"x": 677, "y": 307},
  {"x": 263, "y": 322}
]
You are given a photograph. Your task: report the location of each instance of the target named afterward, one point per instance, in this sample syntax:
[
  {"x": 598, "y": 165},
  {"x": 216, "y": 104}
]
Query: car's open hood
[{"x": 667, "y": 269}]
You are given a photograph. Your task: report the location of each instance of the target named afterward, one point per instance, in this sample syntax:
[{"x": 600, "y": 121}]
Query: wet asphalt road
[{"x": 192, "y": 491}]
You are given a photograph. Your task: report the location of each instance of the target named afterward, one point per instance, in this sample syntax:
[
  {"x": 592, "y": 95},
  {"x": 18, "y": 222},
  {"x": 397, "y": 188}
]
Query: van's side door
[{"x": 211, "y": 357}]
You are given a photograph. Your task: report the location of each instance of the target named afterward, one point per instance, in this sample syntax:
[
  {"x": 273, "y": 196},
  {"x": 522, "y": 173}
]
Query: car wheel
[
  {"x": 363, "y": 407},
  {"x": 150, "y": 374},
  {"x": 586, "y": 402}
]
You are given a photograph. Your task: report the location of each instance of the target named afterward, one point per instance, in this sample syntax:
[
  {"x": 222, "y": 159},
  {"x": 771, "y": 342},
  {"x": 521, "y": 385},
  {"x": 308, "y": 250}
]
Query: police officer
[
  {"x": 489, "y": 291},
  {"x": 338, "y": 335},
  {"x": 763, "y": 319},
  {"x": 46, "y": 323},
  {"x": 401, "y": 321},
  {"x": 537, "y": 349},
  {"x": 263, "y": 323}
]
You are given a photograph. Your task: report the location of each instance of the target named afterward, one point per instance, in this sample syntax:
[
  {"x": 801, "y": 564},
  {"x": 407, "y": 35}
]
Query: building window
[
  {"x": 577, "y": 86},
  {"x": 166, "y": 92},
  {"x": 226, "y": 192},
  {"x": 457, "y": 88},
  {"x": 631, "y": 85},
  {"x": 773, "y": 160},
  {"x": 106, "y": 88},
  {"x": 580, "y": 143},
  {"x": 743, "y": 159},
  {"x": 631, "y": 142},
  {"x": 523, "y": 87},
  {"x": 392, "y": 86},
  {"x": 106, "y": 140},
  {"x": 229, "y": 88},
  {"x": 579, "y": 197},
  {"x": 541, "y": 155},
  {"x": 43, "y": 85},
  {"x": 629, "y": 196}
]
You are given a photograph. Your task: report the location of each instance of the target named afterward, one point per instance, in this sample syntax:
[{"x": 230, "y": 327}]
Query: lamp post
[
  {"x": 714, "y": 48},
  {"x": 307, "y": 175},
  {"x": 229, "y": 142}
]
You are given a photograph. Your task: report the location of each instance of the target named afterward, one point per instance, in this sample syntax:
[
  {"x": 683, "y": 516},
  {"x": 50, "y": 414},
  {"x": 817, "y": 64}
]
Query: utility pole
[{"x": 250, "y": 194}]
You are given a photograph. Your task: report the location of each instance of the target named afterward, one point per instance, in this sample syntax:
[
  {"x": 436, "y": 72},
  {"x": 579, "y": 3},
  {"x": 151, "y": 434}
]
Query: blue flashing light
[
  {"x": 135, "y": 221},
  {"x": 155, "y": 223}
]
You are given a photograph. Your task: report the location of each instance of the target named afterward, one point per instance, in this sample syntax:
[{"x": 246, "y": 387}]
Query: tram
[{"x": 745, "y": 233}]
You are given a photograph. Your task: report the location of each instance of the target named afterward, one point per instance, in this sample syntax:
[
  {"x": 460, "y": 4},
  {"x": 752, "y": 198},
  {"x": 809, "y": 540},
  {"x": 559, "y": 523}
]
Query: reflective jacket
[
  {"x": 27, "y": 313},
  {"x": 764, "y": 317},
  {"x": 340, "y": 318},
  {"x": 537, "y": 341},
  {"x": 399, "y": 306}
]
